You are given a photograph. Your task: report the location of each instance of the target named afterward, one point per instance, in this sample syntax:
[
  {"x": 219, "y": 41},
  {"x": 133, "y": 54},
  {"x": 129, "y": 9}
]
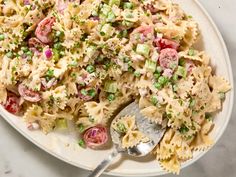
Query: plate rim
[{"x": 229, "y": 114}]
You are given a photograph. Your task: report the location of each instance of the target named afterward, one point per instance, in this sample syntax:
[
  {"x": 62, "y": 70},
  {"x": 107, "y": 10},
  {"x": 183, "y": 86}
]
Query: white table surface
[{"x": 21, "y": 158}]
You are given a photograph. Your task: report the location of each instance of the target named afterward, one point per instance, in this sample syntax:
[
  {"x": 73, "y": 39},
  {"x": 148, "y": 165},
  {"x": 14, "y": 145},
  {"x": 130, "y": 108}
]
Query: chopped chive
[
  {"x": 25, "y": 49},
  {"x": 81, "y": 143},
  {"x": 183, "y": 129},
  {"x": 121, "y": 128},
  {"x": 81, "y": 128}
]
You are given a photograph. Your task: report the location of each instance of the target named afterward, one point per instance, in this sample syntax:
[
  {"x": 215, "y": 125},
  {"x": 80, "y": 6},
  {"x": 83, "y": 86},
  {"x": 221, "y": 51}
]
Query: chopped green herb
[
  {"x": 121, "y": 128},
  {"x": 175, "y": 87},
  {"x": 56, "y": 55},
  {"x": 81, "y": 143},
  {"x": 90, "y": 68},
  {"x": 190, "y": 16},
  {"x": 143, "y": 49},
  {"x": 81, "y": 128},
  {"x": 111, "y": 97},
  {"x": 183, "y": 129},
  {"x": 154, "y": 100},
  {"x": 49, "y": 74},
  {"x": 59, "y": 33},
  {"x": 175, "y": 77}
]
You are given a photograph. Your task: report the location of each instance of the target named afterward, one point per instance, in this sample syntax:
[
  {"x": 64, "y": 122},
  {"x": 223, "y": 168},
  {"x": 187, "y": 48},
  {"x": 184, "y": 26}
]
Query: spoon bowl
[{"x": 151, "y": 130}]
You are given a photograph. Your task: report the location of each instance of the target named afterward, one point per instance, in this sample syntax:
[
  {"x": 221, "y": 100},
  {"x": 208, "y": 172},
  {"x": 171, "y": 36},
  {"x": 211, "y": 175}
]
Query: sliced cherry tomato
[
  {"x": 168, "y": 58},
  {"x": 27, "y": 94},
  {"x": 96, "y": 136},
  {"x": 44, "y": 30},
  {"x": 161, "y": 44},
  {"x": 13, "y": 103}
]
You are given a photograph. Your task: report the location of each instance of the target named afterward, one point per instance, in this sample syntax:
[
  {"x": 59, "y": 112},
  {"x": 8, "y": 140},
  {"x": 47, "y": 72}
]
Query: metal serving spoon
[{"x": 152, "y": 130}]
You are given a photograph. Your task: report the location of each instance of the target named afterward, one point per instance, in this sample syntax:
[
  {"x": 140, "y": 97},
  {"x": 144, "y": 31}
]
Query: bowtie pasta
[{"x": 66, "y": 60}]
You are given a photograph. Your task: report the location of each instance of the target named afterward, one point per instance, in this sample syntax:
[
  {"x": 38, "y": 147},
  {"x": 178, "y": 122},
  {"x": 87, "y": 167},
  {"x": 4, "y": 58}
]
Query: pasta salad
[{"x": 80, "y": 61}]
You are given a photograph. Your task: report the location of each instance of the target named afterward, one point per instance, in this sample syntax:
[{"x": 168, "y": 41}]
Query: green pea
[
  {"x": 111, "y": 97},
  {"x": 157, "y": 85},
  {"x": 90, "y": 68}
]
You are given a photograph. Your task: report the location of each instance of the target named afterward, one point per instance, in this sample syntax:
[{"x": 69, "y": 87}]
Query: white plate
[{"x": 64, "y": 145}]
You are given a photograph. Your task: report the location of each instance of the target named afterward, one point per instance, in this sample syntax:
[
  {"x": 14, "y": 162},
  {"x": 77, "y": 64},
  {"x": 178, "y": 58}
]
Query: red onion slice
[{"x": 27, "y": 94}]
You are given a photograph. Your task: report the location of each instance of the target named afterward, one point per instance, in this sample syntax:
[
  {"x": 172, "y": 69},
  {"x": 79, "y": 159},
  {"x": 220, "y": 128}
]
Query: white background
[{"x": 20, "y": 158}]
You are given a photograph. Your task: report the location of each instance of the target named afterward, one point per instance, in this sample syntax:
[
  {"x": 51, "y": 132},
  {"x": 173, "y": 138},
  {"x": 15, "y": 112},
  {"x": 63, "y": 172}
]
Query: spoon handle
[{"x": 104, "y": 164}]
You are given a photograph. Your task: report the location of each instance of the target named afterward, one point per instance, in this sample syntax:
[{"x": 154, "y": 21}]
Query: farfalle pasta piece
[
  {"x": 153, "y": 113},
  {"x": 184, "y": 87},
  {"x": 190, "y": 36},
  {"x": 202, "y": 140},
  {"x": 219, "y": 84},
  {"x": 100, "y": 112},
  {"x": 171, "y": 165},
  {"x": 132, "y": 138}
]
